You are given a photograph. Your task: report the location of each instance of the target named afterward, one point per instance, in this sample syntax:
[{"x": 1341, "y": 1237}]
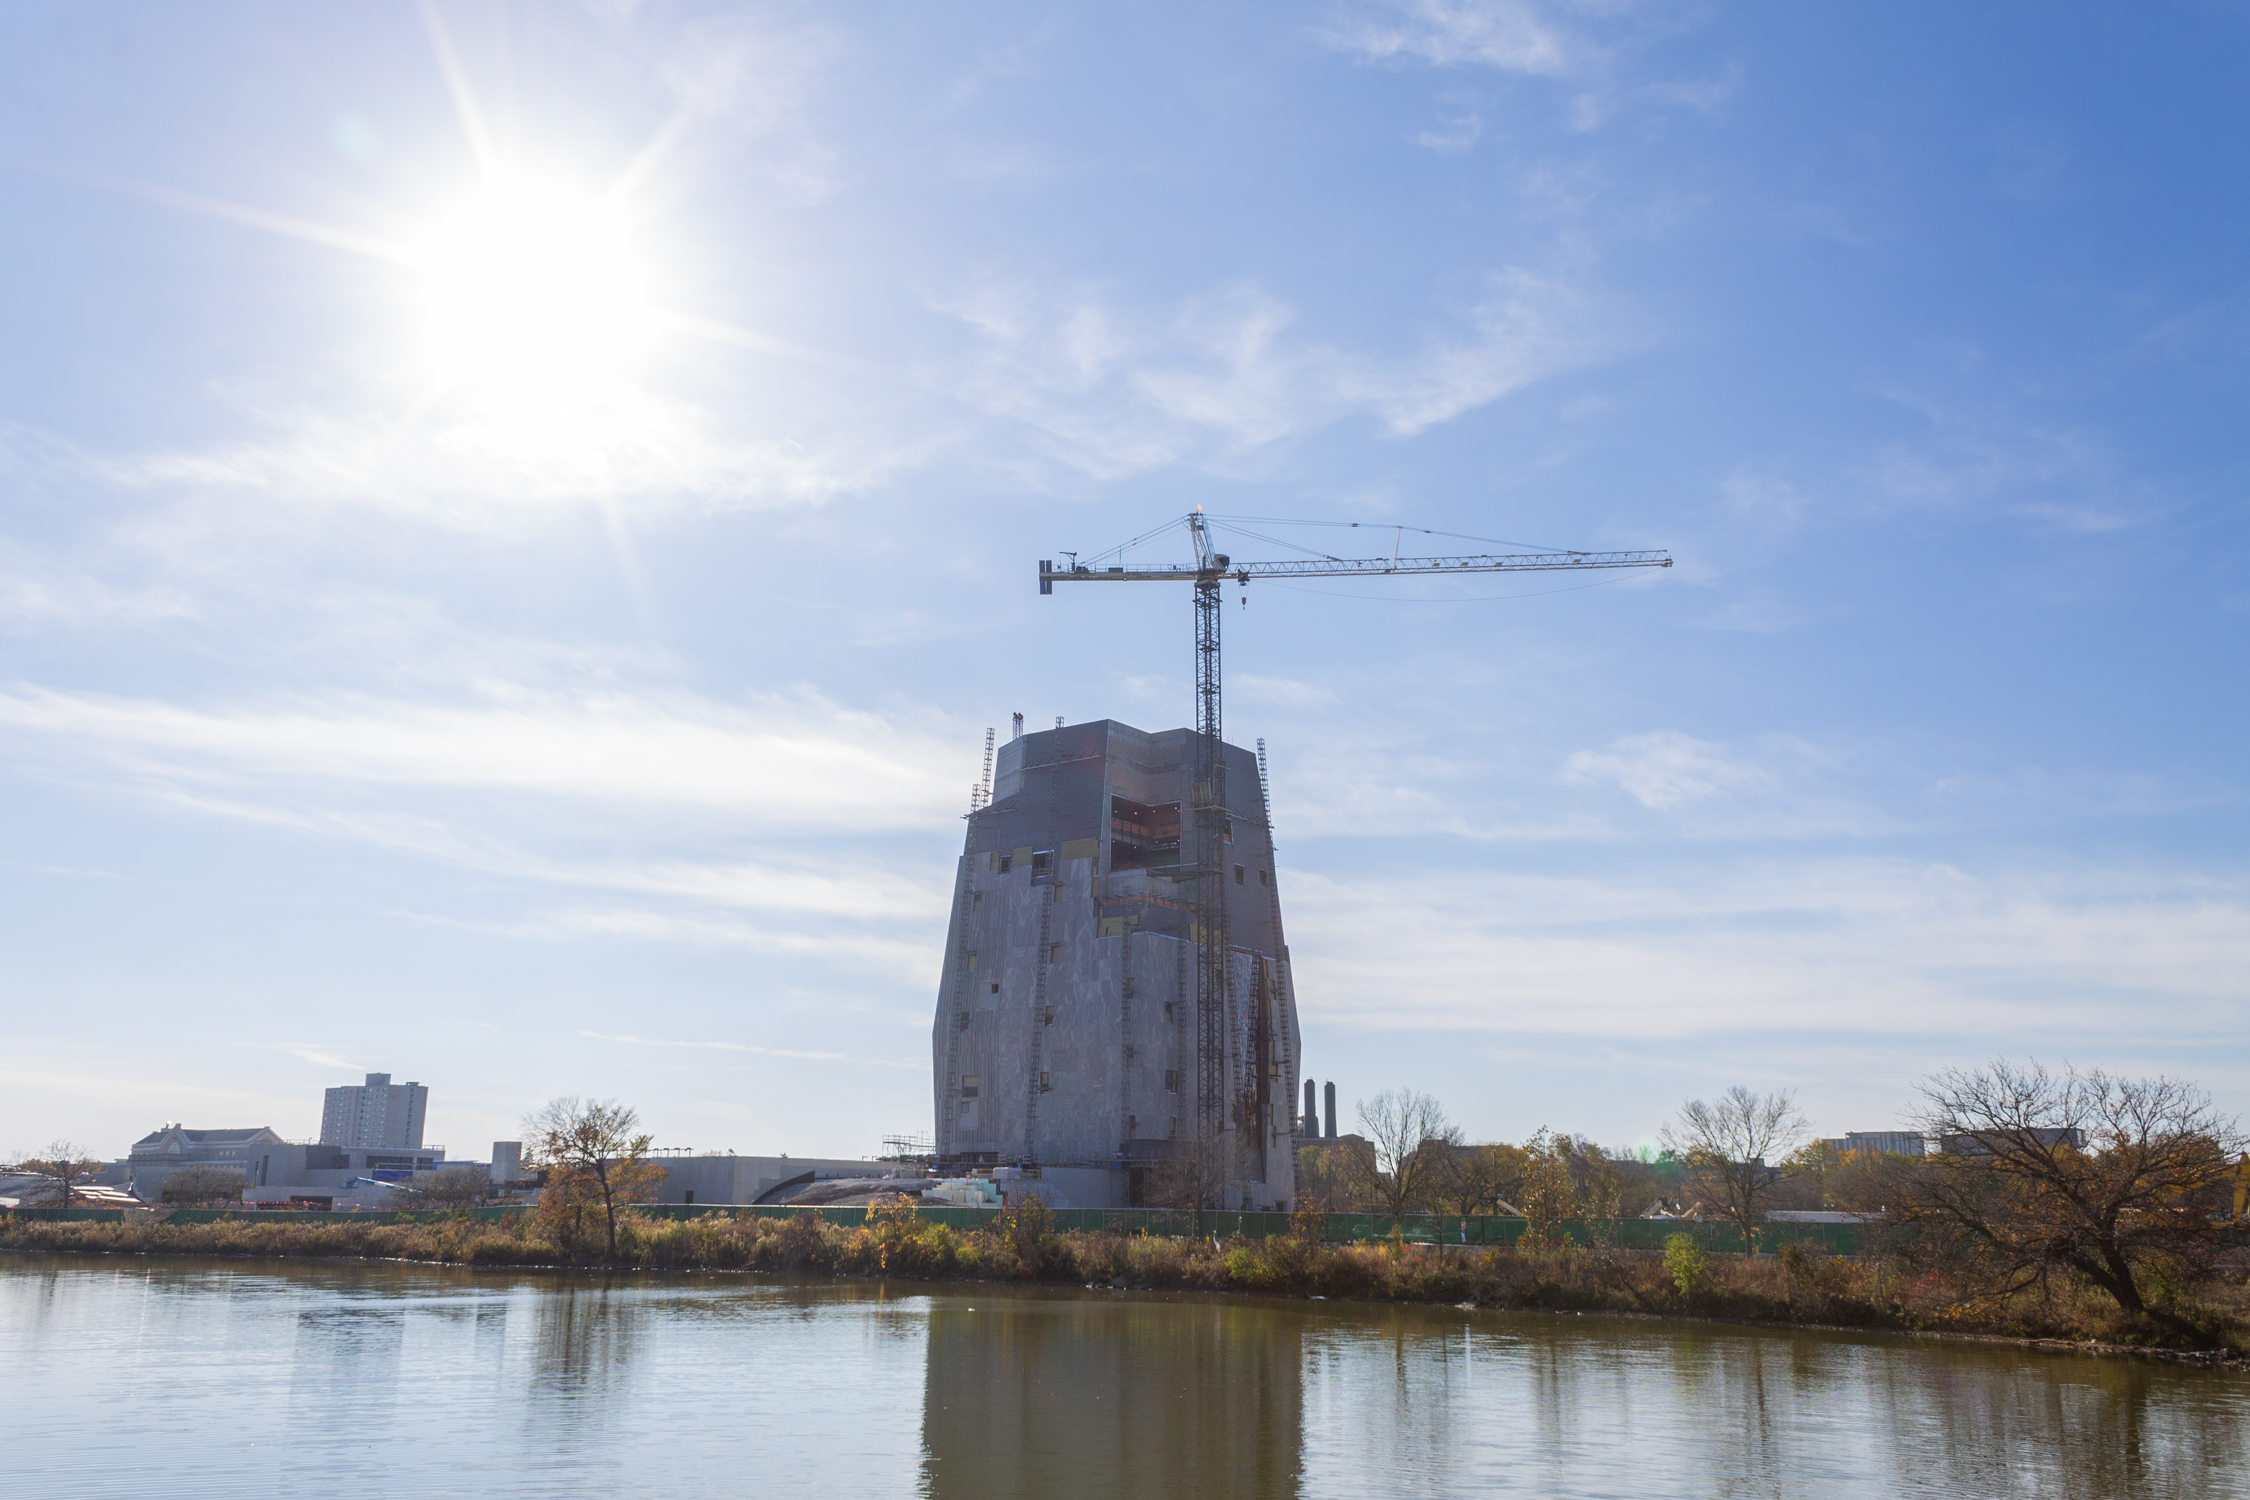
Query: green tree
[
  {"x": 1549, "y": 1194},
  {"x": 595, "y": 1157}
]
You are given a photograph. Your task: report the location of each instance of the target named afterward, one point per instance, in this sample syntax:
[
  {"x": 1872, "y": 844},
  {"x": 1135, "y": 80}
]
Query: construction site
[{"x": 1117, "y": 1015}]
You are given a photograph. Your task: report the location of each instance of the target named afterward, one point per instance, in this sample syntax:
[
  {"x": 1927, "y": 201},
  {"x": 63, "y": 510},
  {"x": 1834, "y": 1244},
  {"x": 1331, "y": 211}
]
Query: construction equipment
[{"x": 1210, "y": 572}]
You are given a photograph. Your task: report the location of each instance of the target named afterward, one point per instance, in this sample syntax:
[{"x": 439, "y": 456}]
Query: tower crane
[{"x": 1209, "y": 573}]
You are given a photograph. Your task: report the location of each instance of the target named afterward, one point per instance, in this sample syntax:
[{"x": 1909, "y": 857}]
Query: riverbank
[{"x": 1796, "y": 1288}]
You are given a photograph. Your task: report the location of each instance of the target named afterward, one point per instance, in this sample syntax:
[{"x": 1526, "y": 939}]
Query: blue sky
[{"x": 516, "y": 520}]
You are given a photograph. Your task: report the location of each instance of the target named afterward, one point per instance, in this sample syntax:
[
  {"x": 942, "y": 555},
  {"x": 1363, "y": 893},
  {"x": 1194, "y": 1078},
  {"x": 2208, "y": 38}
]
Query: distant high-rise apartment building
[{"x": 375, "y": 1113}]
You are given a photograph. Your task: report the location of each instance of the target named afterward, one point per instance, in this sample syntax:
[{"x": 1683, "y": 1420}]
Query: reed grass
[{"x": 2210, "y": 1312}]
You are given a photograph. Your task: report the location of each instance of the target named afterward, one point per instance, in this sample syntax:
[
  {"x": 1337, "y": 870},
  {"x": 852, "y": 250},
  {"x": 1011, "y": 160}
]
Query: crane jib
[
  {"x": 1220, "y": 1105},
  {"x": 1343, "y": 567}
]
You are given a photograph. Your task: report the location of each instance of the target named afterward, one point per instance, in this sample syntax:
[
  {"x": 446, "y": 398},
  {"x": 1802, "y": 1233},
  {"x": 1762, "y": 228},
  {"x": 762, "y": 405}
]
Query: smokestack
[
  {"x": 1312, "y": 1113},
  {"x": 1019, "y": 728},
  {"x": 1330, "y": 1088}
]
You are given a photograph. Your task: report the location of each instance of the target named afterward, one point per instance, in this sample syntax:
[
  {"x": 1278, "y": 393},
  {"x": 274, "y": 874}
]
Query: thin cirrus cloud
[
  {"x": 475, "y": 787},
  {"x": 1503, "y": 34},
  {"x": 840, "y": 940},
  {"x": 1843, "y": 945},
  {"x": 633, "y": 446},
  {"x": 792, "y": 763},
  {"x": 38, "y": 591},
  {"x": 722, "y": 1046},
  {"x": 1782, "y": 789},
  {"x": 1111, "y": 392}
]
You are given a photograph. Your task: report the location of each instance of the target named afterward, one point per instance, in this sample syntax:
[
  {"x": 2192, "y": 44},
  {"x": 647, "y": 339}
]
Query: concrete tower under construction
[{"x": 1067, "y": 1034}]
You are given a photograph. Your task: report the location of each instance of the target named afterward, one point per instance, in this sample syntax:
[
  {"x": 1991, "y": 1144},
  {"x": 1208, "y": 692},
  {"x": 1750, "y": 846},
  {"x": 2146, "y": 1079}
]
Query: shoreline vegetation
[{"x": 2207, "y": 1319}]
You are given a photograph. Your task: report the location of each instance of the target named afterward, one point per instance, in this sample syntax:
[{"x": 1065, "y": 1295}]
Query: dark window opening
[
  {"x": 1167, "y": 1010},
  {"x": 1172, "y": 1080},
  {"x": 1039, "y": 864},
  {"x": 1046, "y": 1084},
  {"x": 688, "y": 1196},
  {"x": 996, "y": 986},
  {"x": 1049, "y": 1016},
  {"x": 1005, "y": 861},
  {"x": 1262, "y": 878},
  {"x": 1238, "y": 874},
  {"x": 1141, "y": 835},
  {"x": 976, "y": 900},
  {"x": 969, "y": 1082}
]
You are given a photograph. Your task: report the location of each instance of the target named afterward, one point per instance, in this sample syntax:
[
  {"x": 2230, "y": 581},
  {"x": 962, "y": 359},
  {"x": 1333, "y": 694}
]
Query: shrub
[
  {"x": 801, "y": 1245},
  {"x": 1688, "y": 1265}
]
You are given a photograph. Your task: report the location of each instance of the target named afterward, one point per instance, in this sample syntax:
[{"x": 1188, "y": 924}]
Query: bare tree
[
  {"x": 1723, "y": 1147},
  {"x": 452, "y": 1187},
  {"x": 1329, "y": 1178},
  {"x": 1411, "y": 1141},
  {"x": 201, "y": 1184},
  {"x": 595, "y": 1156},
  {"x": 1193, "y": 1176},
  {"x": 66, "y": 1162},
  {"x": 1479, "y": 1179},
  {"x": 2084, "y": 1172}
]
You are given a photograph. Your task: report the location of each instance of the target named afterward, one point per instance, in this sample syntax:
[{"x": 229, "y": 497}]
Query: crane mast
[{"x": 1209, "y": 573}]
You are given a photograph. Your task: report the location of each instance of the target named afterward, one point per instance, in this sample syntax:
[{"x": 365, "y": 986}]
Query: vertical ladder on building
[
  {"x": 980, "y": 795},
  {"x": 957, "y": 1020},
  {"x": 1038, "y": 1028},
  {"x": 1127, "y": 1058},
  {"x": 1285, "y": 997}
]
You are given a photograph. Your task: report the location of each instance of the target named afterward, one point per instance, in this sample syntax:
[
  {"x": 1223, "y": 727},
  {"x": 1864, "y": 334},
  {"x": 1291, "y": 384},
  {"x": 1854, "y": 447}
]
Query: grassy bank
[{"x": 1795, "y": 1287}]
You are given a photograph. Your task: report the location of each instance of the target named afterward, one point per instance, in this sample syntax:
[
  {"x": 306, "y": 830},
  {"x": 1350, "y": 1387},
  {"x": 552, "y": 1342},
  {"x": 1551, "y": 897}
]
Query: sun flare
[{"x": 532, "y": 292}]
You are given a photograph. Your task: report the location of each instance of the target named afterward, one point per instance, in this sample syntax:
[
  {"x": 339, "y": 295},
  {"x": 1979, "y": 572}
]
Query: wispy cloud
[
  {"x": 1504, "y": 34},
  {"x": 1834, "y": 945},
  {"x": 782, "y": 762},
  {"x": 1783, "y": 788},
  {"x": 856, "y": 939},
  {"x": 1113, "y": 392},
  {"x": 619, "y": 795},
  {"x": 636, "y": 448},
  {"x": 38, "y": 591},
  {"x": 716, "y": 1046}
]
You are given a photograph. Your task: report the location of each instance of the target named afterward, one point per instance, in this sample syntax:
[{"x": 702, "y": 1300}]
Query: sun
[{"x": 533, "y": 292}]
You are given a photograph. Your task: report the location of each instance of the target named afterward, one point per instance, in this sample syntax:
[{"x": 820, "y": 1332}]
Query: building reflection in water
[{"x": 1127, "y": 1396}]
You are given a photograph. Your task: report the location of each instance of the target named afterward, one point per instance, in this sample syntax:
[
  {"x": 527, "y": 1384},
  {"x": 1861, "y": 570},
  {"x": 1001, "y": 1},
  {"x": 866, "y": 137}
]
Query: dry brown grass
[{"x": 2209, "y": 1311}]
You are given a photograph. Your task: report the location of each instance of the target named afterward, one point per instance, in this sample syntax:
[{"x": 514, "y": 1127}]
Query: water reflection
[
  {"x": 1105, "y": 1394},
  {"x": 192, "y": 1378}
]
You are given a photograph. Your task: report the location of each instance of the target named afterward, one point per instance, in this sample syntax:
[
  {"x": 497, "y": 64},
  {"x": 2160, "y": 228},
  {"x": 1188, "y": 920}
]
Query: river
[{"x": 135, "y": 1377}]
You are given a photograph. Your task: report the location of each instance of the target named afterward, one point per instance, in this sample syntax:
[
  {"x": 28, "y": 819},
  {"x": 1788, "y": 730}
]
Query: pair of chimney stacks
[{"x": 1313, "y": 1130}]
